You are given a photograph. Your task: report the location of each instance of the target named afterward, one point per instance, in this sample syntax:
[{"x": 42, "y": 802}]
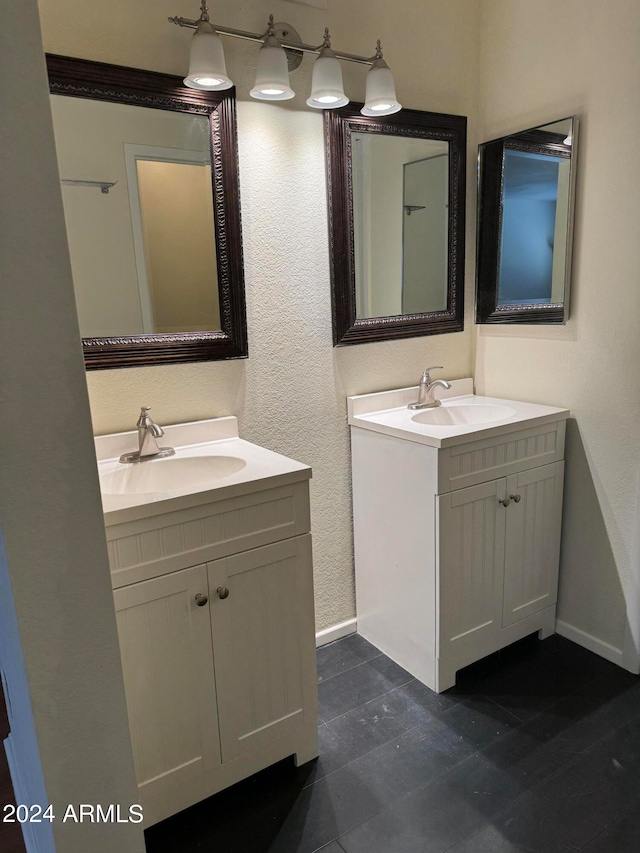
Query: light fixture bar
[{"x": 258, "y": 37}]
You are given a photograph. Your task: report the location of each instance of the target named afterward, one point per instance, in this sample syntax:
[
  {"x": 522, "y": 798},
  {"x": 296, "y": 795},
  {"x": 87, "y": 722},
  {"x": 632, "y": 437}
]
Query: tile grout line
[
  {"x": 373, "y": 698},
  {"x": 349, "y": 668},
  {"x": 507, "y": 711},
  {"x": 552, "y": 705},
  {"x": 326, "y": 846}
]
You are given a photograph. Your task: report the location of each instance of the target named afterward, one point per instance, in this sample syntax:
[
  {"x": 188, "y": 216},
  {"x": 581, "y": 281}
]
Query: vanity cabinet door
[
  {"x": 264, "y": 643},
  {"x": 532, "y": 549},
  {"x": 167, "y": 661},
  {"x": 471, "y": 526}
]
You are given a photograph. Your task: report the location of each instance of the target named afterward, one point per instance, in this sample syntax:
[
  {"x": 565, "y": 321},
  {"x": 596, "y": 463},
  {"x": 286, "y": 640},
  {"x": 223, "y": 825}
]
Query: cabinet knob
[
  {"x": 515, "y": 498},
  {"x": 201, "y": 599},
  {"x": 504, "y": 501},
  {"x": 223, "y": 592}
]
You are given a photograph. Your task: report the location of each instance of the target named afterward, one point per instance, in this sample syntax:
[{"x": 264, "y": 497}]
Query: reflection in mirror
[
  {"x": 150, "y": 192},
  {"x": 525, "y": 225},
  {"x": 401, "y": 260},
  {"x": 424, "y": 234},
  {"x": 143, "y": 255},
  {"x": 396, "y": 219},
  {"x": 171, "y": 205}
]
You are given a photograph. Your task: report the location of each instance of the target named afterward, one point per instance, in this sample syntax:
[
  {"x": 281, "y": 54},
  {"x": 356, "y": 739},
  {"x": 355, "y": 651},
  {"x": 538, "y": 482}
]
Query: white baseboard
[
  {"x": 587, "y": 641},
  {"x": 581, "y": 638},
  {"x": 335, "y": 632},
  {"x": 630, "y": 656}
]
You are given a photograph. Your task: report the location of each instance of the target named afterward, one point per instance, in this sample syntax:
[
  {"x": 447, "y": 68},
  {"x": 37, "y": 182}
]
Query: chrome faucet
[
  {"x": 148, "y": 434},
  {"x": 426, "y": 400}
]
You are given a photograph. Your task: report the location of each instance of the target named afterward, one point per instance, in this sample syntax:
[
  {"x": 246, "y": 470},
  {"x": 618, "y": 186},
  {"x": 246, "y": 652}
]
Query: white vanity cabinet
[
  {"x": 214, "y": 603},
  {"x": 214, "y": 660},
  {"x": 497, "y": 563},
  {"x": 457, "y": 542}
]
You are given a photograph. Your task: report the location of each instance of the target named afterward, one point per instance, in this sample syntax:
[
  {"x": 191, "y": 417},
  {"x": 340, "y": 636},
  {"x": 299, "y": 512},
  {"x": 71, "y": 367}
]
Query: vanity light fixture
[
  {"x": 207, "y": 68},
  {"x": 280, "y": 53},
  {"x": 380, "y": 99},
  {"x": 272, "y": 72},
  {"x": 327, "y": 89}
]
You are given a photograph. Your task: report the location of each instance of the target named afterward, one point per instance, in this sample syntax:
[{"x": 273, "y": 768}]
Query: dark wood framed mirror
[
  {"x": 526, "y": 187},
  {"x": 151, "y": 193},
  {"x": 396, "y": 197}
]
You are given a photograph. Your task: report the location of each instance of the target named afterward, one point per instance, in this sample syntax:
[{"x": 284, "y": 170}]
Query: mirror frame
[
  {"x": 81, "y": 78},
  {"x": 490, "y": 192},
  {"x": 339, "y": 125}
]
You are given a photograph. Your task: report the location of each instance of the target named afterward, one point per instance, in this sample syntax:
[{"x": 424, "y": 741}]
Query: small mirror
[
  {"x": 150, "y": 192},
  {"x": 396, "y": 218},
  {"x": 525, "y": 225}
]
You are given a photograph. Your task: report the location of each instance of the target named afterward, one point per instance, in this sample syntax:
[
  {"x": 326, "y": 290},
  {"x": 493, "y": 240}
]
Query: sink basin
[
  {"x": 165, "y": 475},
  {"x": 453, "y": 415},
  {"x": 462, "y": 417}
]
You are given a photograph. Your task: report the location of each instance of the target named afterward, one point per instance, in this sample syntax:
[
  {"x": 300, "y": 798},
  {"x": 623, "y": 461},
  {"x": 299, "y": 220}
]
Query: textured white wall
[
  {"x": 541, "y": 61},
  {"x": 290, "y": 393}
]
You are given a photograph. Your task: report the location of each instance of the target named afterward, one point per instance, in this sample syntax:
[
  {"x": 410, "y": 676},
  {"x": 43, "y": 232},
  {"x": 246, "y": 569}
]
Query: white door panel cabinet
[
  {"x": 165, "y": 643},
  {"x": 471, "y": 526},
  {"x": 259, "y": 660},
  {"x": 218, "y": 658},
  {"x": 446, "y": 574},
  {"x": 532, "y": 544}
]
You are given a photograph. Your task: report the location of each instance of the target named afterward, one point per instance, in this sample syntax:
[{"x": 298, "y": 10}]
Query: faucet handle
[
  {"x": 144, "y": 415},
  {"x": 425, "y": 375}
]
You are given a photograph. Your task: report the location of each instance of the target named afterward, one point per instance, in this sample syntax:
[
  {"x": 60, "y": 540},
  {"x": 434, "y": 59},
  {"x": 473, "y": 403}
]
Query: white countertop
[
  {"x": 386, "y": 412},
  {"x": 217, "y": 437}
]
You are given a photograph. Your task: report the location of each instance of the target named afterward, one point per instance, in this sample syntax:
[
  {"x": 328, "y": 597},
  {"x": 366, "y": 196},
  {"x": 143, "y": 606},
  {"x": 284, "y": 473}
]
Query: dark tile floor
[{"x": 536, "y": 749}]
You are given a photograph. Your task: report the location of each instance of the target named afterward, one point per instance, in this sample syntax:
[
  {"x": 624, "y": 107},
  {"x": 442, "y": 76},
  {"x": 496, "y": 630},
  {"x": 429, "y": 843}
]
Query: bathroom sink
[
  {"x": 458, "y": 415},
  {"x": 461, "y": 417},
  {"x": 165, "y": 475},
  {"x": 211, "y": 462}
]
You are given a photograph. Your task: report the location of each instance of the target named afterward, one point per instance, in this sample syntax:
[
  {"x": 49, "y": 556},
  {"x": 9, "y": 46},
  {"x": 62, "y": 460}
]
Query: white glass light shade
[
  {"x": 327, "y": 88},
  {"x": 380, "y": 99},
  {"x": 207, "y": 68},
  {"x": 272, "y": 73}
]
